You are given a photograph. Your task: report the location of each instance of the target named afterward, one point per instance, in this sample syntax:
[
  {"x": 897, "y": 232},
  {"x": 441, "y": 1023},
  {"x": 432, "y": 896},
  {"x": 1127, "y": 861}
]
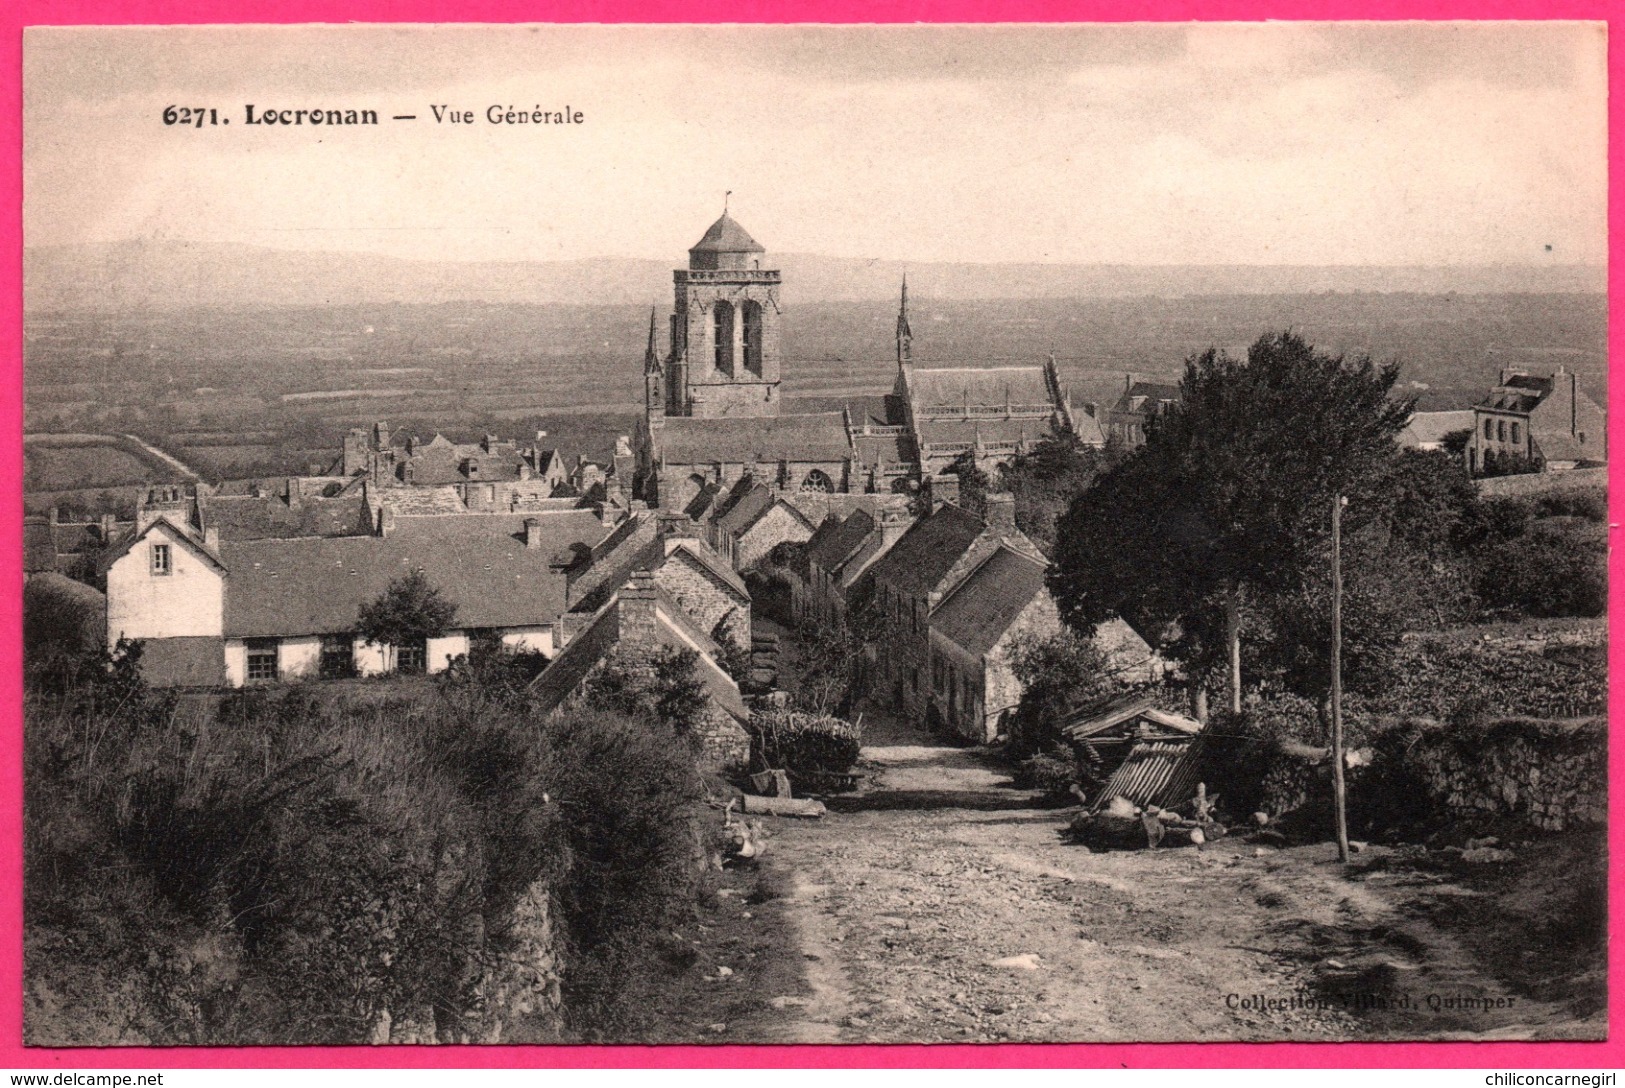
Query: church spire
[
  {"x": 905, "y": 338},
  {"x": 651, "y": 354}
]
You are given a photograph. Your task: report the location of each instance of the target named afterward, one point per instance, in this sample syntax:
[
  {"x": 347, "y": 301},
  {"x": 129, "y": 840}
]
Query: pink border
[{"x": 1220, "y": 1055}]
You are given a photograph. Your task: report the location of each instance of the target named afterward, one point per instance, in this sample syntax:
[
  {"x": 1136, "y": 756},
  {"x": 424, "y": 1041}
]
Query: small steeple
[
  {"x": 651, "y": 354},
  {"x": 905, "y": 338}
]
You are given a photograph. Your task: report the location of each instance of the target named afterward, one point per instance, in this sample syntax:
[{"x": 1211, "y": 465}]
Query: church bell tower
[{"x": 725, "y": 351}]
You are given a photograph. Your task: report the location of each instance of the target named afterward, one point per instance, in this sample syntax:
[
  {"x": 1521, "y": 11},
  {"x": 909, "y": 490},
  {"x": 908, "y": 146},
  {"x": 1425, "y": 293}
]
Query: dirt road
[{"x": 940, "y": 904}]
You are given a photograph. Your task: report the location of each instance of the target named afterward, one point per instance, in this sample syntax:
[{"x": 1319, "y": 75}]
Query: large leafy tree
[
  {"x": 1045, "y": 479},
  {"x": 409, "y": 610},
  {"x": 1230, "y": 497}
]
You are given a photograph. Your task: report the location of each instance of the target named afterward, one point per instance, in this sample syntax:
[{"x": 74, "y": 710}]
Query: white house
[{"x": 214, "y": 613}]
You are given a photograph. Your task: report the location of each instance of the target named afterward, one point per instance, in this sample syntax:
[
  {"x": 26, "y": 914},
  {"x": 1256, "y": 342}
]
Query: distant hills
[{"x": 168, "y": 275}]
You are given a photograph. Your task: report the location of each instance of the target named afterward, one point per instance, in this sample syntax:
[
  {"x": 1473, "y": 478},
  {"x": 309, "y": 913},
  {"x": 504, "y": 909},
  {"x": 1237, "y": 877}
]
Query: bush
[
  {"x": 1558, "y": 568},
  {"x": 1055, "y": 773},
  {"x": 802, "y": 743},
  {"x": 290, "y": 867},
  {"x": 1058, "y": 675},
  {"x": 631, "y": 796}
]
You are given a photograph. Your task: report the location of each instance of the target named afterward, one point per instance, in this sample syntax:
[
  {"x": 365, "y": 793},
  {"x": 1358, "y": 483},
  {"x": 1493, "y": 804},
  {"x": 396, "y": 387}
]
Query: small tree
[{"x": 409, "y": 611}]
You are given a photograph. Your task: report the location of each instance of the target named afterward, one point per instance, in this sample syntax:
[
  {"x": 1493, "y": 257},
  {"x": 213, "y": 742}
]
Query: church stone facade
[{"x": 713, "y": 403}]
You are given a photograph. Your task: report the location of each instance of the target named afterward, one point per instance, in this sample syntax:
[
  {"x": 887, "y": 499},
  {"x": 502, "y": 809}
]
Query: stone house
[
  {"x": 1545, "y": 421},
  {"x": 915, "y": 575},
  {"x": 638, "y": 622},
  {"x": 980, "y": 624},
  {"x": 753, "y": 521},
  {"x": 1140, "y": 401},
  {"x": 215, "y": 612},
  {"x": 840, "y": 553},
  {"x": 684, "y": 566}
]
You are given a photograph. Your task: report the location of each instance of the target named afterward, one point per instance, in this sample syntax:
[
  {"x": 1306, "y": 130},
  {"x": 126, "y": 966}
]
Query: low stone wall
[{"x": 1554, "y": 774}]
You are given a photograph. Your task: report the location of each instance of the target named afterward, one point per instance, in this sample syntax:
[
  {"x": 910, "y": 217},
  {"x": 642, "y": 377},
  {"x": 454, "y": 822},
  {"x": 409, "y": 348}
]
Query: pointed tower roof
[
  {"x": 651, "y": 355},
  {"x": 726, "y": 236},
  {"x": 902, "y": 312}
]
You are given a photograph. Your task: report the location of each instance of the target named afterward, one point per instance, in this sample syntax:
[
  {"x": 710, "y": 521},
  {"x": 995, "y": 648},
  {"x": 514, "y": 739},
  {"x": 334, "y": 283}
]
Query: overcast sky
[{"x": 1278, "y": 144}]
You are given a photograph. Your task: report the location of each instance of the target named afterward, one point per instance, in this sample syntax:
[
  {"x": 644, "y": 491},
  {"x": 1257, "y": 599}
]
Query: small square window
[
  {"x": 161, "y": 559},
  {"x": 411, "y": 657},
  {"x": 262, "y": 660}
]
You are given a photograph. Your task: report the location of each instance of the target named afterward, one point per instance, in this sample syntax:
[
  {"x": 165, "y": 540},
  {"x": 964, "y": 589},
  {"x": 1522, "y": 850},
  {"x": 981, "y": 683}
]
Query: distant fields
[{"x": 290, "y": 381}]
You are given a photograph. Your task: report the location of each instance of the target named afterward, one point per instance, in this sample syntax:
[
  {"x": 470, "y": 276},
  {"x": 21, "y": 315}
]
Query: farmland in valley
[{"x": 238, "y": 393}]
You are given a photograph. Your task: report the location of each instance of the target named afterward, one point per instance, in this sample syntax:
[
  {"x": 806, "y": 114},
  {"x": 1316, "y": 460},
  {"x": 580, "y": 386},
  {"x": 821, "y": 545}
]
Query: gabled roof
[
  {"x": 811, "y": 436},
  {"x": 928, "y": 551},
  {"x": 976, "y": 615},
  {"x": 747, "y": 503},
  {"x": 726, "y": 236},
  {"x": 629, "y": 547},
  {"x": 837, "y": 538},
  {"x": 706, "y": 556},
  {"x": 1430, "y": 428},
  {"x": 1151, "y": 391},
  {"x": 318, "y": 585},
  {"x": 988, "y": 387},
  {"x": 777, "y": 502},
  {"x": 181, "y": 532},
  {"x": 1095, "y": 720},
  {"x": 564, "y": 675}
]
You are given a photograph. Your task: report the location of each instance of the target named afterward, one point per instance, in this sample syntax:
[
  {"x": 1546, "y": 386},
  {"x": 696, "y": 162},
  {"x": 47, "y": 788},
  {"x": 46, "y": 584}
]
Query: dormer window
[{"x": 161, "y": 560}]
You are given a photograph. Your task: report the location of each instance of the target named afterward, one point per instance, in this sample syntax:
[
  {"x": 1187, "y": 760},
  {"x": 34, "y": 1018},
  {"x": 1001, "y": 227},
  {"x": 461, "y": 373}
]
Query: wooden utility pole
[{"x": 1339, "y": 803}]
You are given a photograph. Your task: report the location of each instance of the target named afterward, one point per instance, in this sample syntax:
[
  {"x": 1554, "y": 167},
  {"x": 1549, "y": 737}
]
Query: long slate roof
[
  {"x": 811, "y": 436},
  {"x": 979, "y": 386},
  {"x": 924, "y": 555},
  {"x": 317, "y": 585},
  {"x": 838, "y": 538},
  {"x": 939, "y": 431},
  {"x": 981, "y": 609},
  {"x": 246, "y": 517}
]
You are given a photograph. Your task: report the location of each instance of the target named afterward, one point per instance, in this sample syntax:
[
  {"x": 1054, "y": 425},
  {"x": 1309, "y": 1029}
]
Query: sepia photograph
[{"x": 813, "y": 534}]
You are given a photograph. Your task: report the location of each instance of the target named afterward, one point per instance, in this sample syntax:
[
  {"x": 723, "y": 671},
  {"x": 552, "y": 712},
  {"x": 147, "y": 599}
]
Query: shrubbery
[
  {"x": 1052, "y": 772},
  {"x": 297, "y": 863},
  {"x": 803, "y": 743}
]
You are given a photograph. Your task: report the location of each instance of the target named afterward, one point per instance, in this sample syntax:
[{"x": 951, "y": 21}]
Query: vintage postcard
[{"x": 815, "y": 534}]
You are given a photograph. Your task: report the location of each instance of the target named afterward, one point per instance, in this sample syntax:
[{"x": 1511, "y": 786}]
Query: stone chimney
[
  {"x": 1000, "y": 512},
  {"x": 386, "y": 520},
  {"x": 533, "y": 532},
  {"x": 107, "y": 528},
  {"x": 674, "y": 524},
  {"x": 894, "y": 521},
  {"x": 296, "y": 492},
  {"x": 211, "y": 538},
  {"x": 638, "y": 598}
]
